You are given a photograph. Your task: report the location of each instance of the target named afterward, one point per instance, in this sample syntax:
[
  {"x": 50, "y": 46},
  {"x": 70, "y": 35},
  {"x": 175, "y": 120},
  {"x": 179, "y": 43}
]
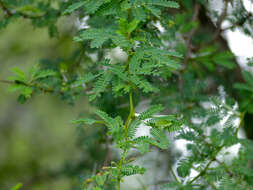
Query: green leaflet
[
  {"x": 115, "y": 126},
  {"x": 35, "y": 73},
  {"x": 225, "y": 59},
  {"x": 133, "y": 128},
  {"x": 43, "y": 74},
  {"x": 74, "y": 6},
  {"x": 120, "y": 41},
  {"x": 150, "y": 111},
  {"x": 227, "y": 183},
  {"x": 143, "y": 141},
  {"x": 241, "y": 86},
  {"x": 143, "y": 147},
  {"x": 17, "y": 187},
  {"x": 100, "y": 85},
  {"x": 169, "y": 122},
  {"x": 160, "y": 58},
  {"x": 184, "y": 167},
  {"x": 129, "y": 170},
  {"x": 132, "y": 26},
  {"x": 87, "y": 78},
  {"x": 29, "y": 9},
  {"x": 140, "y": 6},
  {"x": 100, "y": 179},
  {"x": 85, "y": 121},
  {"x": 163, "y": 121},
  {"x": 247, "y": 76},
  {"x": 119, "y": 87},
  {"x": 25, "y": 91},
  {"x": 155, "y": 11},
  {"x": 98, "y": 37},
  {"x": 93, "y": 5},
  {"x": 127, "y": 28},
  {"x": 170, "y": 63},
  {"x": 143, "y": 84},
  {"x": 164, "y": 3},
  {"x": 245, "y": 90},
  {"x": 156, "y": 52},
  {"x": 134, "y": 64},
  {"x": 20, "y": 75},
  {"x": 172, "y": 185},
  {"x": 160, "y": 137},
  {"x": 110, "y": 122},
  {"x": 139, "y": 13},
  {"x": 110, "y": 8}
]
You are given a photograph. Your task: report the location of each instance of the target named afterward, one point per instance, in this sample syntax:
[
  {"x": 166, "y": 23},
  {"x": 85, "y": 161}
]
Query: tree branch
[
  {"x": 174, "y": 174},
  {"x": 191, "y": 33},
  {"x": 220, "y": 21},
  {"x": 202, "y": 172},
  {"x": 240, "y": 23},
  {"x": 218, "y": 30},
  {"x": 188, "y": 45}
]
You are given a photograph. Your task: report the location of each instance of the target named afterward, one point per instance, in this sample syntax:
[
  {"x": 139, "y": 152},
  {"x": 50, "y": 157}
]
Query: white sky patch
[
  {"x": 228, "y": 154},
  {"x": 239, "y": 43},
  {"x": 248, "y": 5},
  {"x": 242, "y": 46},
  {"x": 181, "y": 145},
  {"x": 159, "y": 27},
  {"x": 143, "y": 130},
  {"x": 82, "y": 23}
]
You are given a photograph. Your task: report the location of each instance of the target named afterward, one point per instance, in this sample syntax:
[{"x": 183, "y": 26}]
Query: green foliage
[
  {"x": 133, "y": 128},
  {"x": 99, "y": 37},
  {"x": 100, "y": 85},
  {"x": 27, "y": 84},
  {"x": 176, "y": 66},
  {"x": 184, "y": 167}
]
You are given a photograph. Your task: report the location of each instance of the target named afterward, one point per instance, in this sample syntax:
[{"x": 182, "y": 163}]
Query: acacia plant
[{"x": 176, "y": 59}]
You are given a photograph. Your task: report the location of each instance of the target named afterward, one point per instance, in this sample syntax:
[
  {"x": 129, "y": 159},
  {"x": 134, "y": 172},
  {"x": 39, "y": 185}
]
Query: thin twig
[
  {"x": 241, "y": 117},
  {"x": 108, "y": 151},
  {"x": 212, "y": 185},
  {"x": 190, "y": 35},
  {"x": 7, "y": 81},
  {"x": 220, "y": 21},
  {"x": 239, "y": 23},
  {"x": 202, "y": 172},
  {"x": 218, "y": 30},
  {"x": 225, "y": 166},
  {"x": 174, "y": 174}
]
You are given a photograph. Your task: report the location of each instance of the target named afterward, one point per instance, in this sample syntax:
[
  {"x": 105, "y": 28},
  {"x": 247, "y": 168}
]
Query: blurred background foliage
[{"x": 37, "y": 140}]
